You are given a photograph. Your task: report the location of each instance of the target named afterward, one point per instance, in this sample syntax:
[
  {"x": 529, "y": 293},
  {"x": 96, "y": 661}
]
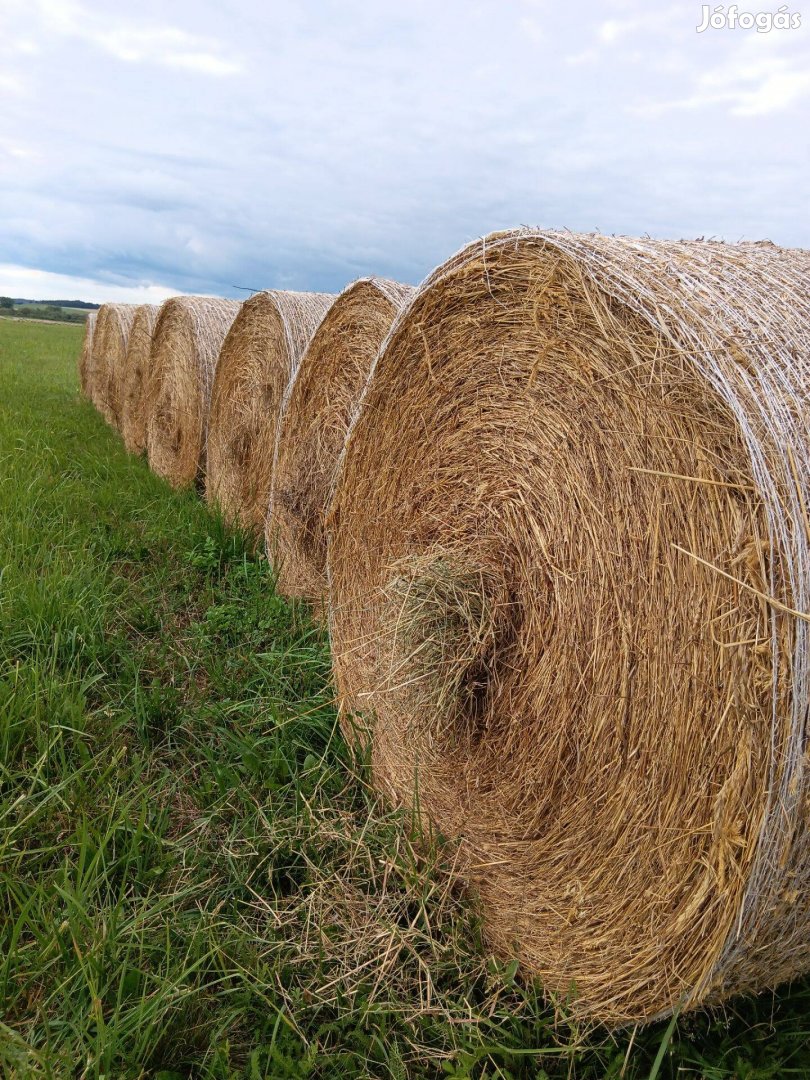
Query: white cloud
[
  {"x": 137, "y": 42},
  {"x": 62, "y": 16},
  {"x": 23, "y": 46},
  {"x": 32, "y": 284},
  {"x": 652, "y": 20},
  {"x": 747, "y": 84},
  {"x": 17, "y": 150},
  {"x": 12, "y": 84},
  {"x": 587, "y": 56},
  {"x": 162, "y": 45},
  {"x": 205, "y": 63},
  {"x": 777, "y": 91},
  {"x": 533, "y": 28},
  {"x": 613, "y": 29}
]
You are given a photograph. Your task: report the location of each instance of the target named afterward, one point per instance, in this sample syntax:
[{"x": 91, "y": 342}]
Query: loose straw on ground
[
  {"x": 257, "y": 362},
  {"x": 130, "y": 390},
  {"x": 86, "y": 356},
  {"x": 110, "y": 336},
  {"x": 186, "y": 341},
  {"x": 569, "y": 585},
  {"x": 314, "y": 418}
]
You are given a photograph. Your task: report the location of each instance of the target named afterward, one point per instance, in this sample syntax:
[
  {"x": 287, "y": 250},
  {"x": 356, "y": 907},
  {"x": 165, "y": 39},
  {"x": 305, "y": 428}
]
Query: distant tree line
[
  {"x": 52, "y": 309},
  {"x": 85, "y": 305}
]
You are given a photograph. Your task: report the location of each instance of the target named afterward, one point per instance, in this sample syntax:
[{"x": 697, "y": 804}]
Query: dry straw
[
  {"x": 258, "y": 360},
  {"x": 110, "y": 336},
  {"x": 185, "y": 345},
  {"x": 86, "y": 355},
  {"x": 131, "y": 385},
  {"x": 570, "y": 587},
  {"x": 314, "y": 418}
]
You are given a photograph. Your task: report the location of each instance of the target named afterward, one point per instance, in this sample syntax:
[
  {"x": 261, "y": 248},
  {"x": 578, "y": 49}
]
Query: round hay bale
[
  {"x": 131, "y": 393},
  {"x": 110, "y": 337},
  {"x": 315, "y": 415},
  {"x": 569, "y": 586},
  {"x": 257, "y": 361},
  {"x": 186, "y": 341},
  {"x": 85, "y": 356}
]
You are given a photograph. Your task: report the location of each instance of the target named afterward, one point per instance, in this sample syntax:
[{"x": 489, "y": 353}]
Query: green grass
[{"x": 195, "y": 879}]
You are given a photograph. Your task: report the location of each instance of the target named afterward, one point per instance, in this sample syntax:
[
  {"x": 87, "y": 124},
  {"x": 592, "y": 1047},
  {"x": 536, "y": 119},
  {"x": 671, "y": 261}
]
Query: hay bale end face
[
  {"x": 130, "y": 392},
  {"x": 186, "y": 341},
  {"x": 110, "y": 336},
  {"x": 569, "y": 584},
  {"x": 86, "y": 356},
  {"x": 315, "y": 417},
  {"x": 257, "y": 361}
]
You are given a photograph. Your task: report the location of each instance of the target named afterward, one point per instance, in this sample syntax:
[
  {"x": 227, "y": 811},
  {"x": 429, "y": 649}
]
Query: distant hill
[
  {"x": 59, "y": 303},
  {"x": 75, "y": 311}
]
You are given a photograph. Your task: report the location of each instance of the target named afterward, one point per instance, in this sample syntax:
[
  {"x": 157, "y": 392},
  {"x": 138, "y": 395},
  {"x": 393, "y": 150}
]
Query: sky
[{"x": 216, "y": 147}]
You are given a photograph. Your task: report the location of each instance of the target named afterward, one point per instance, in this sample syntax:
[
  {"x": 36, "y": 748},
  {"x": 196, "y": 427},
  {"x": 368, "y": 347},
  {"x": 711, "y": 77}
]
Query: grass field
[{"x": 195, "y": 879}]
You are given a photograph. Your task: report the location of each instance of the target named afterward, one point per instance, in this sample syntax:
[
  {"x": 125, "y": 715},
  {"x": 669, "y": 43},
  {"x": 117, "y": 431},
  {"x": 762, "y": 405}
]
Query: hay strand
[
  {"x": 130, "y": 391},
  {"x": 314, "y": 418},
  {"x": 569, "y": 566},
  {"x": 258, "y": 360},
  {"x": 186, "y": 341}
]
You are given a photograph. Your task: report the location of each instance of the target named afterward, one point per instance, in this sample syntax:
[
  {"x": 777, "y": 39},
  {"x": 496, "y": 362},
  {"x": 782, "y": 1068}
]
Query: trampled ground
[{"x": 195, "y": 879}]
